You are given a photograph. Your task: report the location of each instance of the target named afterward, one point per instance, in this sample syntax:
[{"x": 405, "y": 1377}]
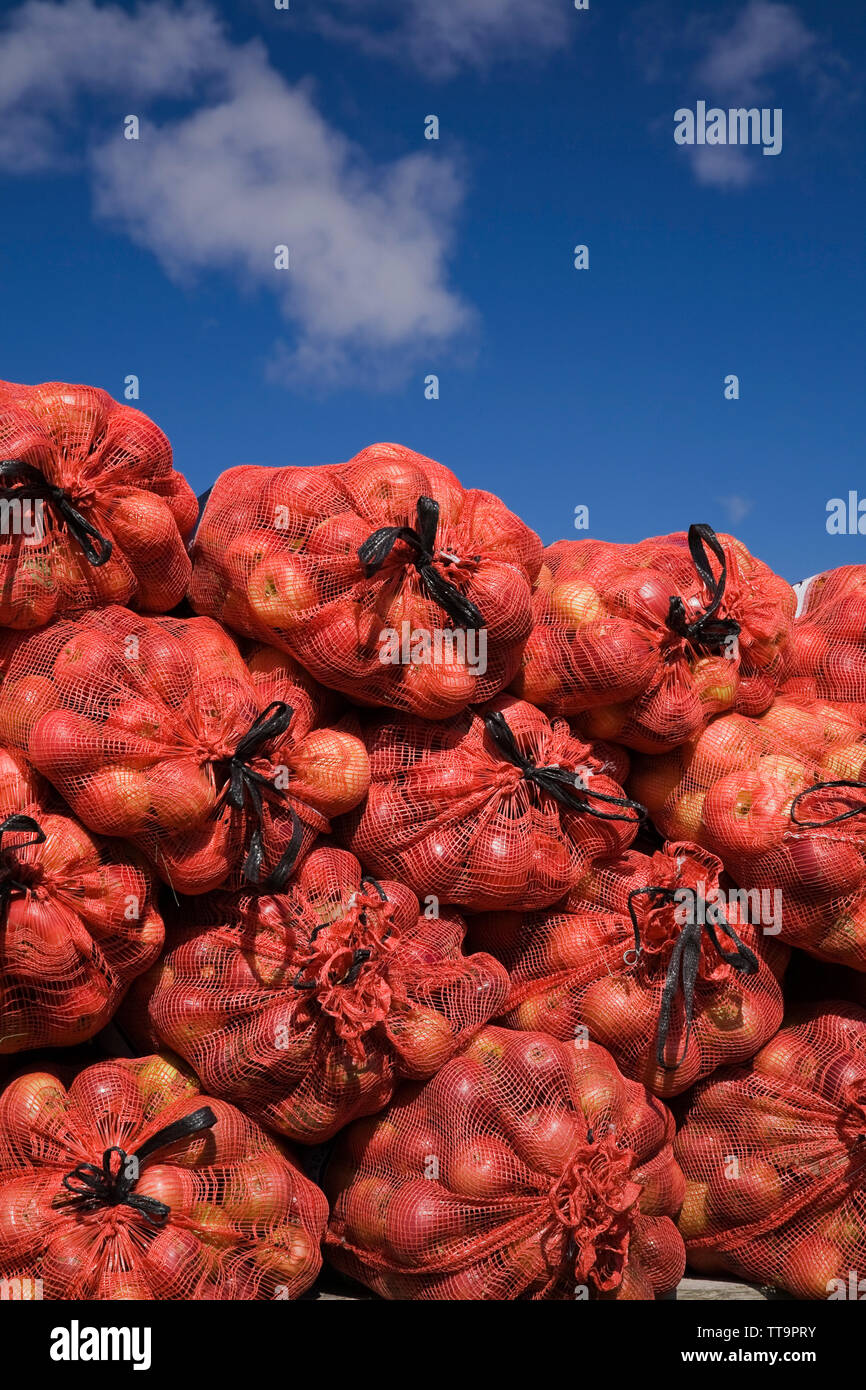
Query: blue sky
[{"x": 558, "y": 387}]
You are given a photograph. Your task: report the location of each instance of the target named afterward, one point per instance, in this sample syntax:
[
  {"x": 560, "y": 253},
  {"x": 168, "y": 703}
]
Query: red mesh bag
[
  {"x": 99, "y": 514},
  {"x": 780, "y": 799},
  {"x": 383, "y": 576},
  {"x": 133, "y": 1185},
  {"x": 644, "y": 643},
  {"x": 775, "y": 1161},
  {"x": 156, "y": 729},
  {"x": 828, "y": 656},
  {"x": 613, "y": 760},
  {"x": 504, "y": 808},
  {"x": 77, "y": 918},
  {"x": 307, "y": 1008},
  {"x": 615, "y": 962},
  {"x": 526, "y": 1169}
]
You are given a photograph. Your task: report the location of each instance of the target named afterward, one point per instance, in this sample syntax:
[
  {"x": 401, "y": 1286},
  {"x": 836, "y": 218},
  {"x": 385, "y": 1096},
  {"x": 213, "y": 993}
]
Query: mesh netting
[
  {"x": 828, "y": 656},
  {"x": 780, "y": 798},
  {"x": 613, "y": 760},
  {"x": 500, "y": 808},
  {"x": 525, "y": 1169},
  {"x": 644, "y": 643},
  {"x": 96, "y": 513},
  {"x": 306, "y": 1008},
  {"x": 614, "y": 962},
  {"x": 77, "y": 918},
  {"x": 775, "y": 1160},
  {"x": 158, "y": 730},
  {"x": 100, "y": 1202},
  {"x": 276, "y": 557}
]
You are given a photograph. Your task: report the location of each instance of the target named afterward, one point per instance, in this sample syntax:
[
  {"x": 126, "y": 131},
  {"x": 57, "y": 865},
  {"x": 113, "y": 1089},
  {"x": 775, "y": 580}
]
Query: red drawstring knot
[
  {"x": 677, "y": 871},
  {"x": 346, "y": 968},
  {"x": 595, "y": 1199}
]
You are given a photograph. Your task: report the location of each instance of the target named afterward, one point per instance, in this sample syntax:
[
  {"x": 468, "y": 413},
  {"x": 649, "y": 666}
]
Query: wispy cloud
[
  {"x": 736, "y": 507},
  {"x": 731, "y": 60},
  {"x": 721, "y": 166},
  {"x": 252, "y": 164},
  {"x": 765, "y": 39},
  {"x": 53, "y": 54},
  {"x": 443, "y": 36}
]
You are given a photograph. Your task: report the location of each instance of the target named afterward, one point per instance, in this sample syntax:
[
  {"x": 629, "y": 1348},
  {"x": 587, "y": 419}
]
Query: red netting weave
[
  {"x": 828, "y": 657},
  {"x": 604, "y": 962},
  {"x": 276, "y": 558},
  {"x": 526, "y": 1169},
  {"x": 780, "y": 799},
  {"x": 501, "y": 807},
  {"x": 156, "y": 729},
  {"x": 77, "y": 918},
  {"x": 775, "y": 1160},
  {"x": 644, "y": 643},
  {"x": 306, "y": 1008},
  {"x": 86, "y": 476},
  {"x": 220, "y": 1211}
]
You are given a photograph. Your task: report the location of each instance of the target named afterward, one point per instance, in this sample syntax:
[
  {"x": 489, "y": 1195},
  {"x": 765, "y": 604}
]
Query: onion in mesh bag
[
  {"x": 500, "y": 807},
  {"x": 526, "y": 1169},
  {"x": 103, "y": 516},
  {"x": 385, "y": 577},
  {"x": 774, "y": 1155},
  {"x": 157, "y": 729},
  {"x": 307, "y": 1007},
  {"x": 651, "y": 958},
  {"x": 131, "y": 1184},
  {"x": 644, "y": 643},
  {"x": 78, "y": 919}
]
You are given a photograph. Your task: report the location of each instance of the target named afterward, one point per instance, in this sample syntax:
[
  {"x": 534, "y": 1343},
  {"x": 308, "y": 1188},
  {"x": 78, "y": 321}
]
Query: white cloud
[
  {"x": 442, "y": 36},
  {"x": 736, "y": 507},
  {"x": 764, "y": 39},
  {"x": 253, "y": 165},
  {"x": 221, "y": 188},
  {"x": 730, "y": 62},
  {"x": 721, "y": 166},
  {"x": 52, "y": 54}
]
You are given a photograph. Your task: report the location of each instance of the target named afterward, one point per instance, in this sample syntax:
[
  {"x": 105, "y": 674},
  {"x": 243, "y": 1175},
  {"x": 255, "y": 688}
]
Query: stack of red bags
[{"x": 396, "y": 771}]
